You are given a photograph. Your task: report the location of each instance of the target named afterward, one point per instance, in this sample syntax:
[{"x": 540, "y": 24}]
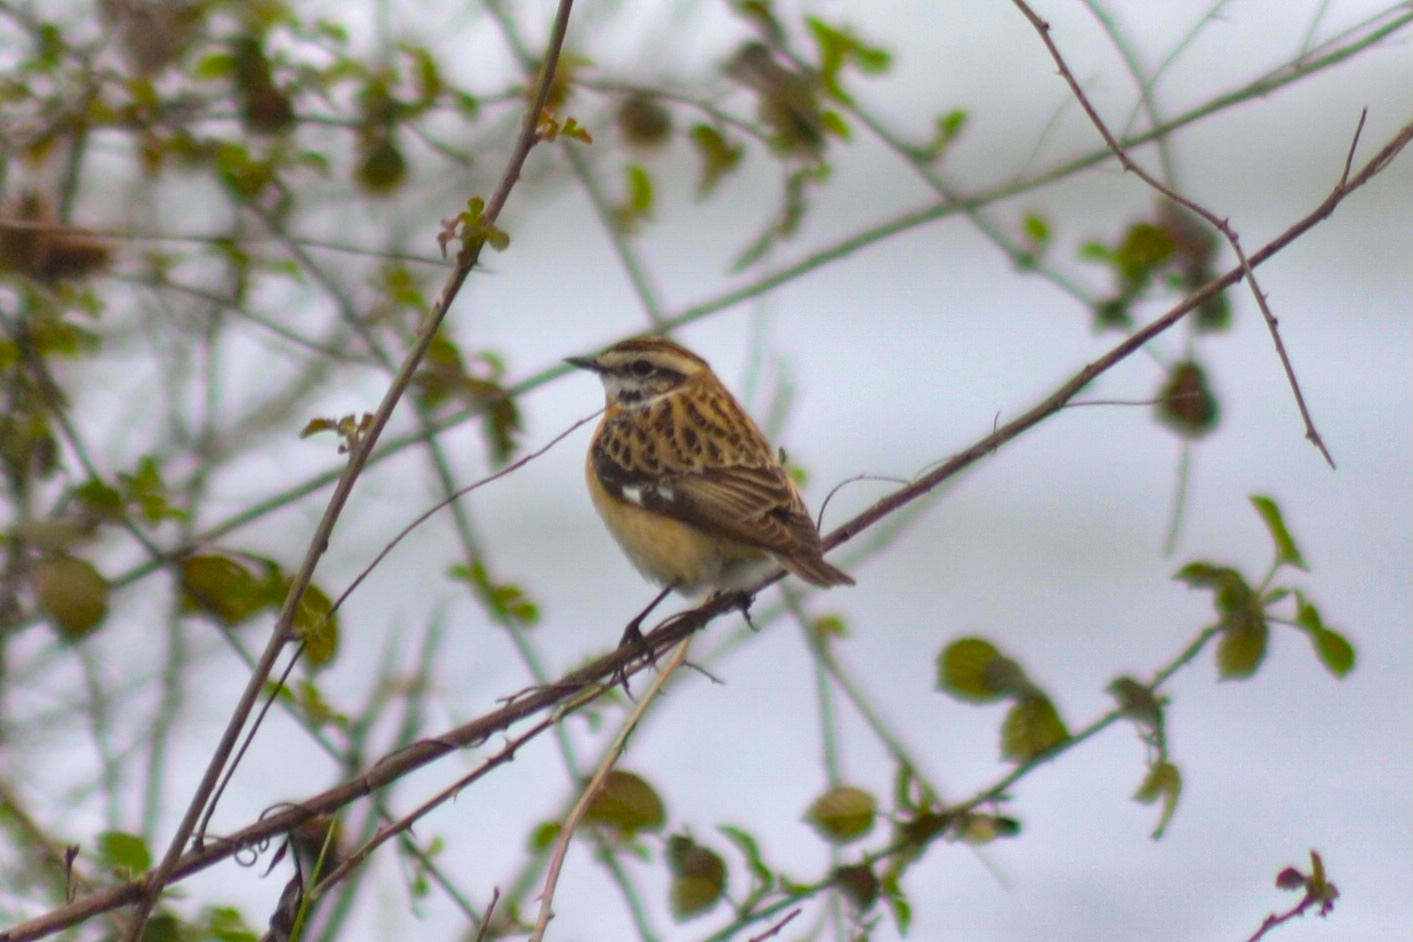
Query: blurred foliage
[{"x": 223, "y": 222}]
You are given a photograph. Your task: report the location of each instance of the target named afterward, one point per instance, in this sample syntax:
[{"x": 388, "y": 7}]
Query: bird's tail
[{"x": 816, "y": 571}]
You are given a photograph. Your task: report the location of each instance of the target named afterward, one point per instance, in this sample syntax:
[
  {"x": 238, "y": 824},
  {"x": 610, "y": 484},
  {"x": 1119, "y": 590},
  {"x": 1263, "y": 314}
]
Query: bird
[{"x": 687, "y": 483}]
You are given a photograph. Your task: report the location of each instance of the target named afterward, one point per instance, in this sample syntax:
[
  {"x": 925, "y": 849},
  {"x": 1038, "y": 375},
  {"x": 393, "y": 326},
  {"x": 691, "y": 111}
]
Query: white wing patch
[{"x": 640, "y": 495}]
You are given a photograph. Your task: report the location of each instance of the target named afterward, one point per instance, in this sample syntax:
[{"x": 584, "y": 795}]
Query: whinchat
[{"x": 686, "y": 482}]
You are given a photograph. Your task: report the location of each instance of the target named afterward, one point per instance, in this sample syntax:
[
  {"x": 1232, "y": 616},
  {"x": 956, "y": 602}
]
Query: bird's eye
[{"x": 640, "y": 368}]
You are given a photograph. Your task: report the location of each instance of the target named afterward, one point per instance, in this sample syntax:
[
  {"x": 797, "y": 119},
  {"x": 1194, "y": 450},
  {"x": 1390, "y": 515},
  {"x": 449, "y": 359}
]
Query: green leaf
[
  {"x": 1335, "y": 652},
  {"x": 638, "y": 206},
  {"x": 228, "y": 590},
  {"x": 1037, "y": 229},
  {"x": 1145, "y": 248},
  {"x": 1113, "y": 314},
  {"x": 698, "y": 877},
  {"x": 748, "y": 847},
  {"x": 125, "y": 854},
  {"x": 1186, "y": 403},
  {"x": 1331, "y": 647},
  {"x": 381, "y": 166},
  {"x": 72, "y": 593},
  {"x": 840, "y": 46},
  {"x": 834, "y": 123},
  {"x": 316, "y": 425},
  {"x": 226, "y": 924},
  {"x": 859, "y": 885},
  {"x": 1242, "y": 649},
  {"x": 1214, "y": 313},
  {"x": 949, "y": 127},
  {"x": 718, "y": 156},
  {"x": 426, "y": 74},
  {"x": 922, "y": 828},
  {"x": 1137, "y": 701},
  {"x": 1237, "y": 604},
  {"x": 1163, "y": 781},
  {"x": 981, "y": 829},
  {"x": 1243, "y": 621},
  {"x": 544, "y": 835},
  {"x": 105, "y": 502},
  {"x": 1287, "y": 553},
  {"x": 910, "y": 793},
  {"x": 148, "y": 491},
  {"x": 317, "y": 625},
  {"x": 217, "y": 65},
  {"x": 1096, "y": 251},
  {"x": 507, "y": 602},
  {"x": 761, "y": 17},
  {"x": 644, "y": 121},
  {"x": 1032, "y": 727},
  {"x": 973, "y": 669},
  {"x": 319, "y": 711},
  {"x": 897, "y": 901},
  {"x": 162, "y": 927},
  {"x": 1204, "y": 575},
  {"x": 626, "y": 803},
  {"x": 842, "y": 814}
]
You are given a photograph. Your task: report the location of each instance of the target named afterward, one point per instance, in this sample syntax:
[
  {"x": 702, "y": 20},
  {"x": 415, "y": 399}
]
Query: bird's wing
[{"x": 756, "y": 504}]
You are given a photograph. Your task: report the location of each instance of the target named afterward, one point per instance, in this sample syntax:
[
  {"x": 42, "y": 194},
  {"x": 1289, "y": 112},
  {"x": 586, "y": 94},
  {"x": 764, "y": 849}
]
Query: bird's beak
[{"x": 584, "y": 363}]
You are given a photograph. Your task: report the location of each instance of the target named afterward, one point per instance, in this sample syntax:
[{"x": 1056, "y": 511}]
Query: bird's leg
[
  {"x": 633, "y": 637},
  {"x": 631, "y": 634},
  {"x": 741, "y": 601}
]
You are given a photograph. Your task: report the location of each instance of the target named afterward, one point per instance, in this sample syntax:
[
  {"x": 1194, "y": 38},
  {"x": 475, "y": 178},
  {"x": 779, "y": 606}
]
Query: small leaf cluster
[
  {"x": 1174, "y": 250},
  {"x": 975, "y": 670},
  {"x": 235, "y": 588},
  {"x": 792, "y": 92},
  {"x": 1245, "y": 611},
  {"x": 626, "y": 808},
  {"x": 508, "y": 603},
  {"x": 1319, "y": 890},
  {"x": 472, "y": 229},
  {"x": 444, "y": 375},
  {"x": 1141, "y": 706},
  {"x": 350, "y": 429},
  {"x": 845, "y": 814}
]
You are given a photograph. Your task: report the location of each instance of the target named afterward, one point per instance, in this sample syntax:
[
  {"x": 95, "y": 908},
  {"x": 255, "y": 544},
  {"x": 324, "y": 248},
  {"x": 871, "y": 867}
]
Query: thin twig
[
  {"x": 455, "y": 496},
  {"x": 404, "y": 824},
  {"x": 581, "y": 807},
  {"x": 778, "y": 927}
]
